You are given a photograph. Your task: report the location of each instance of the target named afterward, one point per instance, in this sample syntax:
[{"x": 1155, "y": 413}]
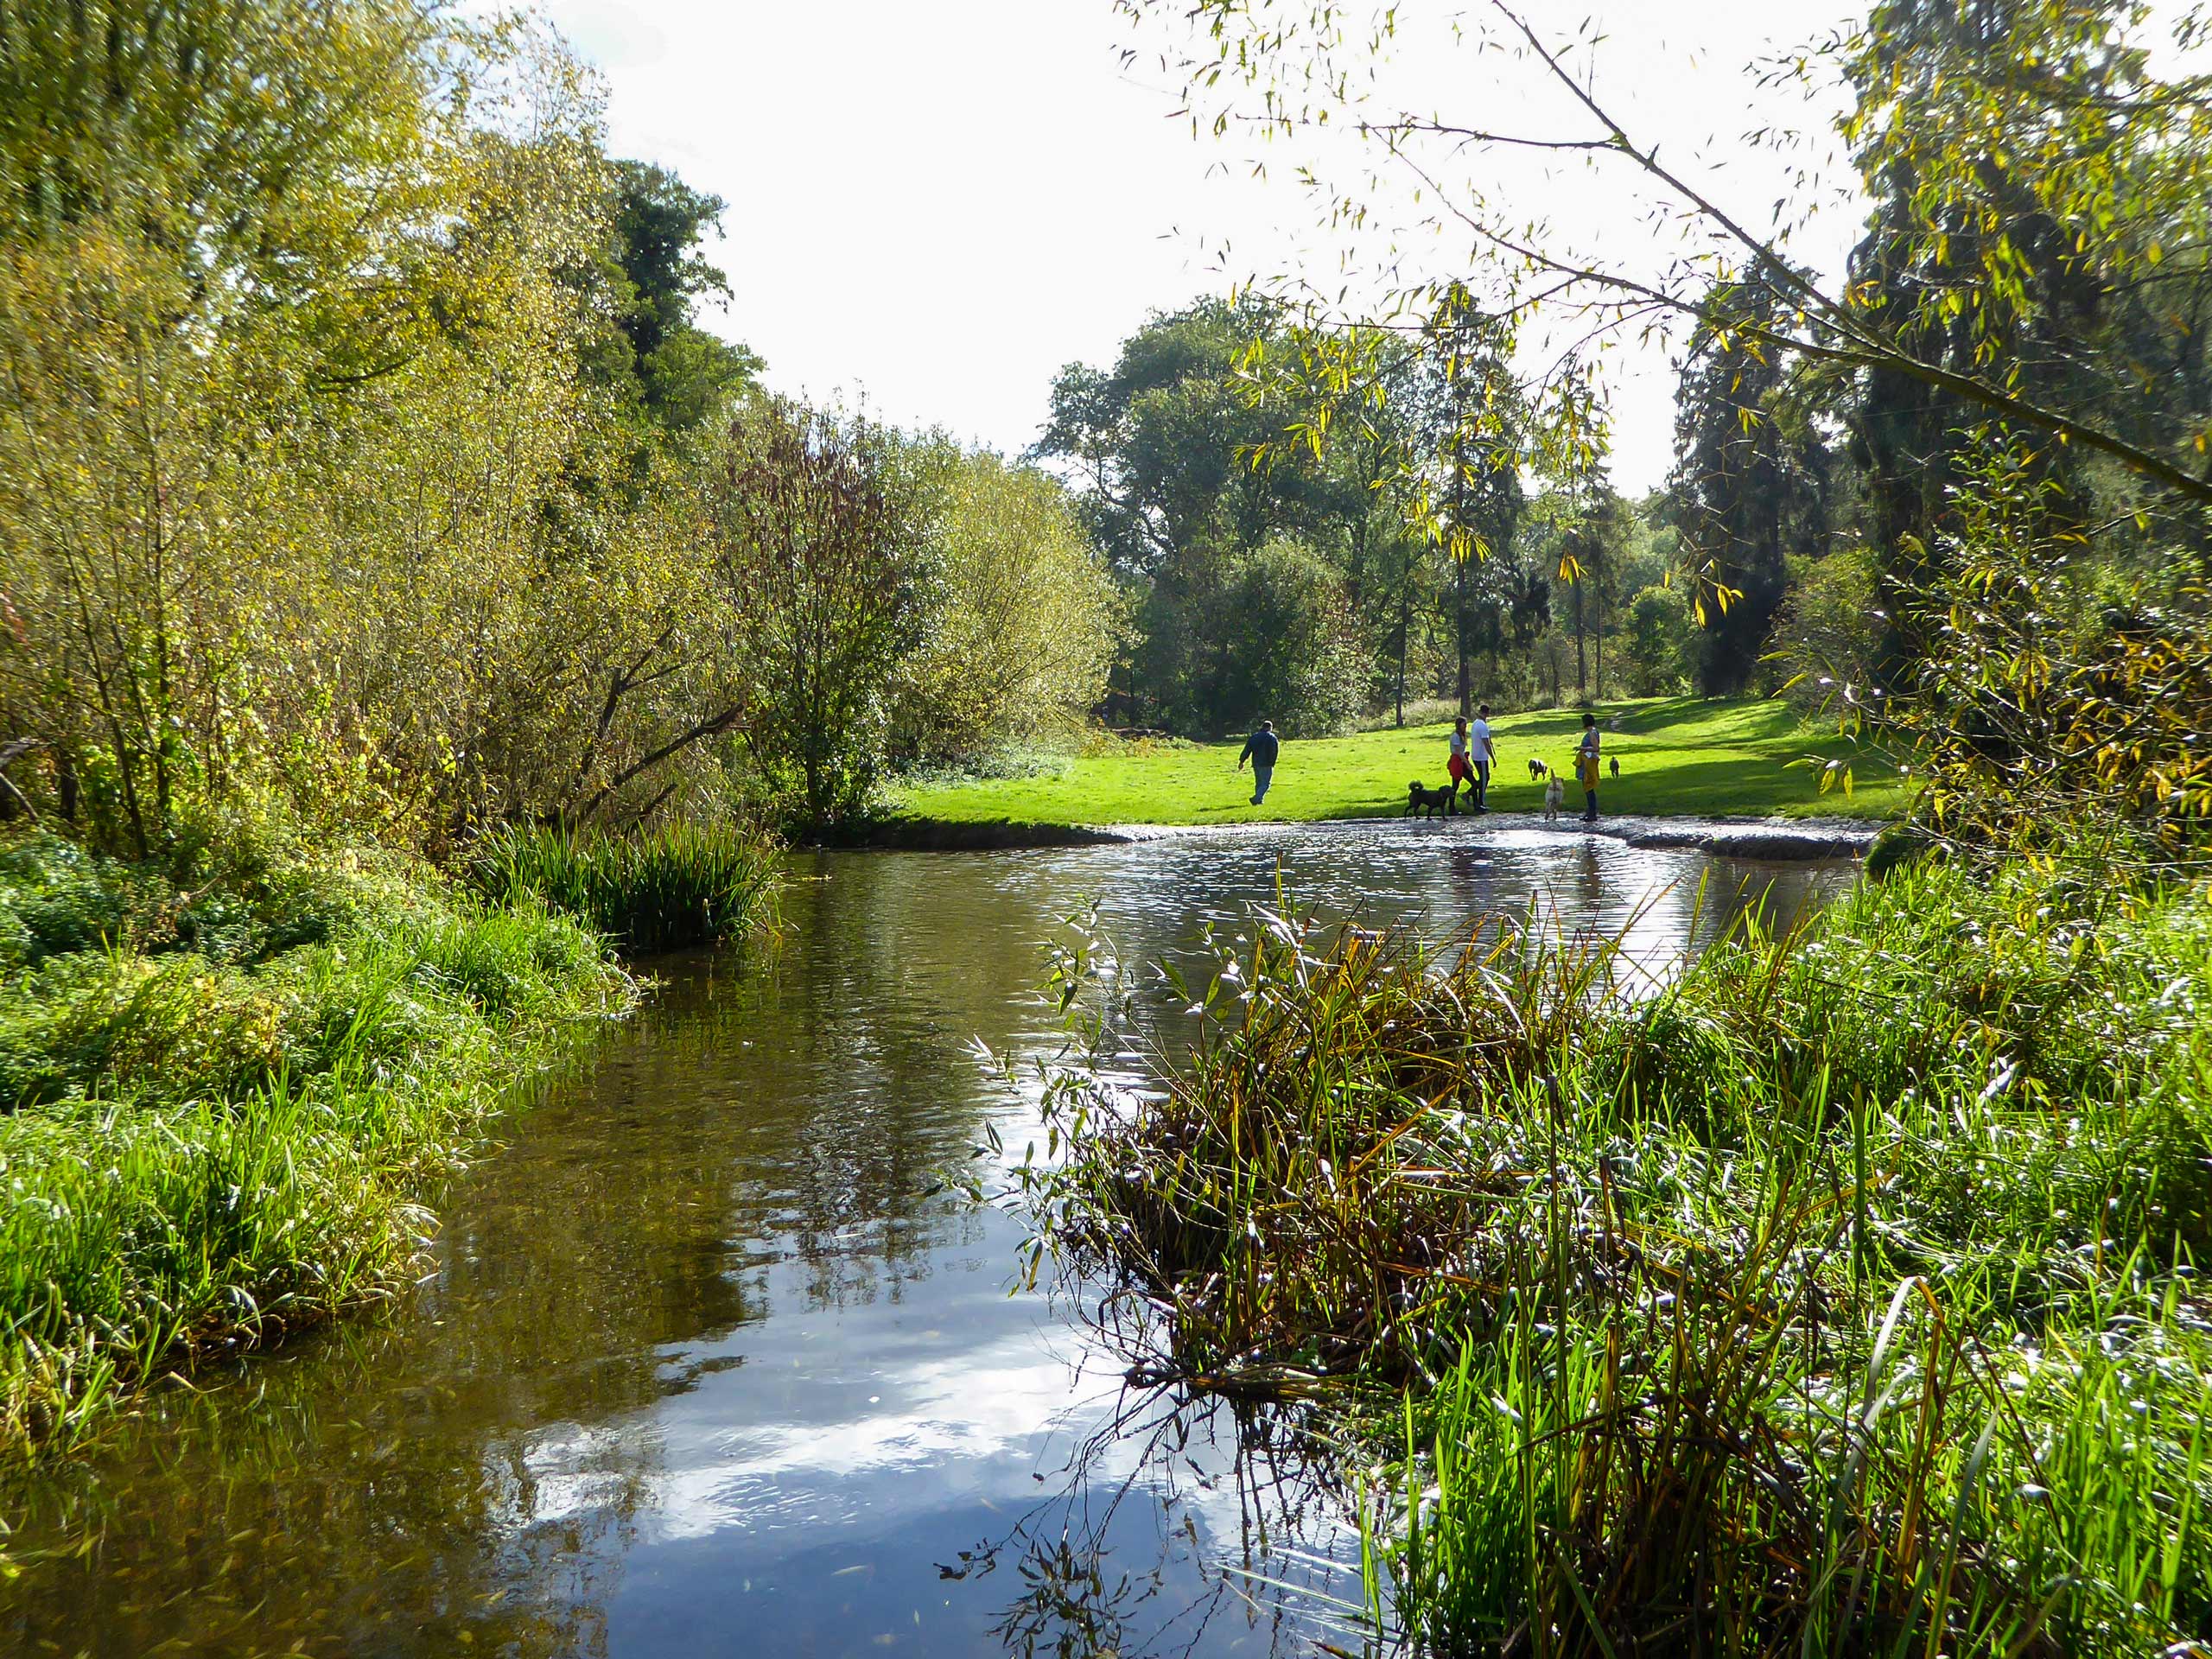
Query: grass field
[{"x": 1679, "y": 757}]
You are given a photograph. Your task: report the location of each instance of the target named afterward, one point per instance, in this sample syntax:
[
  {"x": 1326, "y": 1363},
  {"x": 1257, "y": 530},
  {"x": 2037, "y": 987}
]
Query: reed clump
[
  {"x": 211, "y": 1135},
  {"x": 675, "y": 884},
  {"x": 1837, "y": 1296}
]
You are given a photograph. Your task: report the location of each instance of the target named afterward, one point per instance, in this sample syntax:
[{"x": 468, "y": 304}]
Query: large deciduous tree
[{"x": 818, "y": 553}]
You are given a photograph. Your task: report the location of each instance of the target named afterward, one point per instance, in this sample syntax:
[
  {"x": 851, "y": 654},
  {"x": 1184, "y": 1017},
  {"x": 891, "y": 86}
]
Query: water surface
[{"x": 710, "y": 1360}]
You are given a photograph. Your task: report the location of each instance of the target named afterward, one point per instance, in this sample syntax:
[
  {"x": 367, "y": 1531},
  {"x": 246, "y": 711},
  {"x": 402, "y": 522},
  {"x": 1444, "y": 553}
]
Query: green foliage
[
  {"x": 1744, "y": 1312},
  {"x": 819, "y": 547},
  {"x": 1829, "y": 633},
  {"x": 207, "y": 1151},
  {"x": 1289, "y": 649},
  {"x": 677, "y": 371},
  {"x": 1751, "y": 488},
  {"x": 1269, "y": 635},
  {"x": 1020, "y": 613},
  {"x": 1660, "y": 636},
  {"x": 303, "y": 278},
  {"x": 677, "y": 884}
]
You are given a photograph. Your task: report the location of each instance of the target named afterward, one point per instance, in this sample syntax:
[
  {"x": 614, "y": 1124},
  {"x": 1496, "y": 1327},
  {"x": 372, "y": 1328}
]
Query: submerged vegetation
[{"x": 1837, "y": 1295}]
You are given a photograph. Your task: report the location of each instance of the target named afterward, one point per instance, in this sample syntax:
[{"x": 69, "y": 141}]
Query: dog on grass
[
  {"x": 1617, "y": 765},
  {"x": 1435, "y": 802},
  {"x": 1554, "y": 797},
  {"x": 1536, "y": 769}
]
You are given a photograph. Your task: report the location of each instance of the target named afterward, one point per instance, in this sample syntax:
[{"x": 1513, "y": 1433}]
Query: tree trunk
[
  {"x": 1405, "y": 628},
  {"x": 1461, "y": 553},
  {"x": 1581, "y": 677}
]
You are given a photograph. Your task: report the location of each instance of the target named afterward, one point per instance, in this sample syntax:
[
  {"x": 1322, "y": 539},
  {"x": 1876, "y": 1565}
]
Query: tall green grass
[
  {"x": 1838, "y": 1297},
  {"x": 677, "y": 885},
  {"x": 200, "y": 1153}
]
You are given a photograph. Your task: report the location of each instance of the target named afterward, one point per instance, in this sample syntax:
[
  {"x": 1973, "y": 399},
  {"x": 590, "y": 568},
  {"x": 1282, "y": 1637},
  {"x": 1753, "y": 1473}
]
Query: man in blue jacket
[{"x": 1260, "y": 749}]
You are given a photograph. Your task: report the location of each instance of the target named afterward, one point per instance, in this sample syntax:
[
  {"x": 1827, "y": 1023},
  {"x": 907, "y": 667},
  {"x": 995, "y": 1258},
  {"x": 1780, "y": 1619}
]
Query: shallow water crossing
[{"x": 712, "y": 1361}]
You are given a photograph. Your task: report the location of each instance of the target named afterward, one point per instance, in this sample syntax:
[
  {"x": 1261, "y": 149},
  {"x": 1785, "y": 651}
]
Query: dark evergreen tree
[{"x": 1749, "y": 487}]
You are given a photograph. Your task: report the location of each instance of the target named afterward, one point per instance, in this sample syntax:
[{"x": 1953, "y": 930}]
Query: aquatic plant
[
  {"x": 1835, "y": 1295},
  {"x": 677, "y": 884}
]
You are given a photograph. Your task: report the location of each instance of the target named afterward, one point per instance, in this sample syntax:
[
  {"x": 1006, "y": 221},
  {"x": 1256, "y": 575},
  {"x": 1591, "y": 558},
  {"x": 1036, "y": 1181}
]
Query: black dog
[
  {"x": 1536, "y": 770},
  {"x": 1436, "y": 802},
  {"x": 1617, "y": 765}
]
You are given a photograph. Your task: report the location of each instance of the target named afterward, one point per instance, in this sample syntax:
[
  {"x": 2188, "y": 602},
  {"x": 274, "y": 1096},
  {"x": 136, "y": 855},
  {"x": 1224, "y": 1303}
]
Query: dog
[
  {"x": 1554, "y": 797},
  {"x": 1536, "y": 769},
  {"x": 1617, "y": 765},
  {"x": 1435, "y": 802}
]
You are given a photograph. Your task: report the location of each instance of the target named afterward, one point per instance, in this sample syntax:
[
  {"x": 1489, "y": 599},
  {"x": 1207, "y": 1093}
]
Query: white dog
[{"x": 1554, "y": 797}]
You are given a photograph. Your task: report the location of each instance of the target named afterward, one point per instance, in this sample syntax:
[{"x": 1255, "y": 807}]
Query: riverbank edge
[
  {"x": 1766, "y": 838},
  {"x": 573, "y": 975}
]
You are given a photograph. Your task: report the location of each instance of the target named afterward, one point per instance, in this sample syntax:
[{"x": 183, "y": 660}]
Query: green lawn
[{"x": 1679, "y": 757}]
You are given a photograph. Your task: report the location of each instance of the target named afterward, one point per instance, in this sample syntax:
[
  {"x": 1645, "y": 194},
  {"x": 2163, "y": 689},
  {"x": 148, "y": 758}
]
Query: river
[{"x": 711, "y": 1361}]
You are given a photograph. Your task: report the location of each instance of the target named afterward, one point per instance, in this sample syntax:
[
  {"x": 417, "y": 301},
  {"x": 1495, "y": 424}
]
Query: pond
[{"x": 712, "y": 1361}]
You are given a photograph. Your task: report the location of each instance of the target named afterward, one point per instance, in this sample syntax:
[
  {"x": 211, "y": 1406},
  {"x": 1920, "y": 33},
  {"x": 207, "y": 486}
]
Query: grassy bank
[
  {"x": 228, "y": 1080},
  {"x": 1841, "y": 1298},
  {"x": 1679, "y": 757}
]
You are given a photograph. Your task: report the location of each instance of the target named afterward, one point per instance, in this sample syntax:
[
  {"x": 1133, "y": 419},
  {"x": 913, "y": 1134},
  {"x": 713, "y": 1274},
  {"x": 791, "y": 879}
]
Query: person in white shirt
[{"x": 1482, "y": 752}]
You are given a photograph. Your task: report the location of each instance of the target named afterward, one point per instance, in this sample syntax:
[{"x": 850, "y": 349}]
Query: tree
[
  {"x": 677, "y": 371},
  {"x": 1477, "y": 401},
  {"x": 2042, "y": 262},
  {"x": 1020, "y": 613},
  {"x": 1186, "y": 469},
  {"x": 1748, "y": 491},
  {"x": 304, "y": 484},
  {"x": 818, "y": 556}
]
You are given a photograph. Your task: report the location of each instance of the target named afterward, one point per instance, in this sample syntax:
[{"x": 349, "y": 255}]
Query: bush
[
  {"x": 1235, "y": 639},
  {"x": 1662, "y": 641},
  {"x": 681, "y": 884},
  {"x": 1828, "y": 632}
]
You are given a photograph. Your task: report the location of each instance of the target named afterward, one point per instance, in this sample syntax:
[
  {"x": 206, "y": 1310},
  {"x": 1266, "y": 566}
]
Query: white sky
[{"x": 936, "y": 204}]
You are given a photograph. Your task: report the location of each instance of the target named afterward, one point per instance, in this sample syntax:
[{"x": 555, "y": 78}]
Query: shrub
[{"x": 1829, "y": 631}]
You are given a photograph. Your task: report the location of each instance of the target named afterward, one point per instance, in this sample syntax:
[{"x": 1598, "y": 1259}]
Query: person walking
[
  {"x": 1585, "y": 763},
  {"x": 1459, "y": 767},
  {"x": 1260, "y": 749},
  {"x": 1482, "y": 754}
]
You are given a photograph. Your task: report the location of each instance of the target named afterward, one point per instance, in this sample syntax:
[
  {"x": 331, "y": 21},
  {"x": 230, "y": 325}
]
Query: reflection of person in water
[{"x": 1590, "y": 886}]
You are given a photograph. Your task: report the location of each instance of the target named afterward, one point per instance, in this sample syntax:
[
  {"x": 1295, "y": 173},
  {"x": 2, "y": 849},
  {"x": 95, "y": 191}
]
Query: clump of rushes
[
  {"x": 200, "y": 1153},
  {"x": 1838, "y": 1297},
  {"x": 676, "y": 884}
]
